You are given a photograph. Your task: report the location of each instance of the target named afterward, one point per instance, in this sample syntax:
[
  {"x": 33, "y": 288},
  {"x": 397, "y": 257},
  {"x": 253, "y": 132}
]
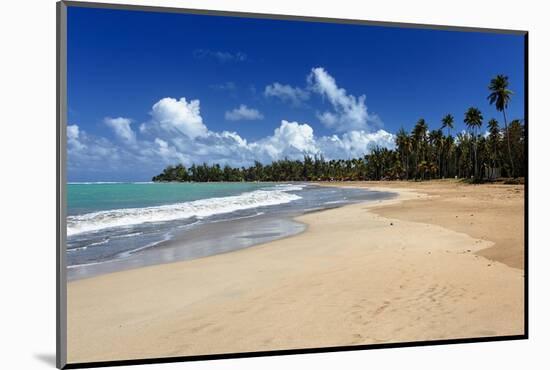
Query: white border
[{"x": 28, "y": 178}]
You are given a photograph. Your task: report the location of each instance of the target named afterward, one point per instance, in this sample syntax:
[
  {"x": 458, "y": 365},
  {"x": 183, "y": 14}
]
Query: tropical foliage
[{"x": 484, "y": 151}]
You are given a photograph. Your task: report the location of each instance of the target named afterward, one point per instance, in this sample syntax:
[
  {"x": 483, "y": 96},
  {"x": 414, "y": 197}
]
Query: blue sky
[{"x": 150, "y": 89}]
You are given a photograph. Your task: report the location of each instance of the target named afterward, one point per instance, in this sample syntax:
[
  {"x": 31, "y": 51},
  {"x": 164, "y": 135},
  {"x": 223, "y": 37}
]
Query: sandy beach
[{"x": 442, "y": 260}]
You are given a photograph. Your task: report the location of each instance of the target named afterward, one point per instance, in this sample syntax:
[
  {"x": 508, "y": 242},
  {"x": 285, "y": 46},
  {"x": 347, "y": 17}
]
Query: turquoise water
[
  {"x": 92, "y": 197},
  {"x": 113, "y": 226}
]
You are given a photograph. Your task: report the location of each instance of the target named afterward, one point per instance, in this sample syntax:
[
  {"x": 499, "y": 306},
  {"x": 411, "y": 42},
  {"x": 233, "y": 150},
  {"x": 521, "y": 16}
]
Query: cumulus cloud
[
  {"x": 169, "y": 153},
  {"x": 290, "y": 140},
  {"x": 349, "y": 111},
  {"x": 220, "y": 56},
  {"x": 176, "y": 133},
  {"x": 73, "y": 136},
  {"x": 176, "y": 117},
  {"x": 95, "y": 154},
  {"x": 72, "y": 132},
  {"x": 287, "y": 93},
  {"x": 243, "y": 113},
  {"x": 355, "y": 144},
  {"x": 121, "y": 127}
]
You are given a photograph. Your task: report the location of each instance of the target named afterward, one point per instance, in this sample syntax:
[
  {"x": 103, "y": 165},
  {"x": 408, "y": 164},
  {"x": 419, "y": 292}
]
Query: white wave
[
  {"x": 288, "y": 187},
  {"x": 127, "y": 254},
  {"x": 239, "y": 218},
  {"x": 187, "y": 226},
  {"x": 109, "y": 182},
  {"x": 104, "y": 241},
  {"x": 336, "y": 201},
  {"x": 126, "y": 235},
  {"x": 95, "y": 182},
  {"x": 199, "y": 208},
  {"x": 88, "y": 264},
  {"x": 76, "y": 249}
]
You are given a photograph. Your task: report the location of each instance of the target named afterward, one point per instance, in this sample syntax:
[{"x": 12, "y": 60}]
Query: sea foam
[{"x": 202, "y": 208}]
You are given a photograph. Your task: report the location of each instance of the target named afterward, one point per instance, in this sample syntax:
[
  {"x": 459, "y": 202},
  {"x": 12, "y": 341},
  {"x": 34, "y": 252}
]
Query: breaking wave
[{"x": 202, "y": 208}]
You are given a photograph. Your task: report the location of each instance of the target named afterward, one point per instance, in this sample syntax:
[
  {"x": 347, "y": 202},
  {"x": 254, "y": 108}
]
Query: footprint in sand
[{"x": 380, "y": 309}]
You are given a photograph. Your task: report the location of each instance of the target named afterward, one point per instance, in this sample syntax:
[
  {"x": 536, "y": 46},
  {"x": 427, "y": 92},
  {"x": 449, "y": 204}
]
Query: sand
[
  {"x": 383, "y": 272},
  {"x": 489, "y": 212}
]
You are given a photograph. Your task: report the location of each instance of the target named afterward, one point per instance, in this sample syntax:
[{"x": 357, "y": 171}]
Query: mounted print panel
[{"x": 244, "y": 184}]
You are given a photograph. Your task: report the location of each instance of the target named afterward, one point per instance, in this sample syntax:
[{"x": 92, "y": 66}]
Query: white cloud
[
  {"x": 95, "y": 154},
  {"x": 73, "y": 136},
  {"x": 72, "y": 132},
  {"x": 176, "y": 117},
  {"x": 169, "y": 153},
  {"x": 350, "y": 112},
  {"x": 176, "y": 133},
  {"x": 355, "y": 144},
  {"x": 287, "y": 93},
  {"x": 243, "y": 113},
  {"x": 121, "y": 127},
  {"x": 290, "y": 140}
]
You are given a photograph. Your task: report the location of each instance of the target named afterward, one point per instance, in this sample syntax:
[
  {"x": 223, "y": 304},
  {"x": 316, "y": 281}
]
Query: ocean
[{"x": 116, "y": 226}]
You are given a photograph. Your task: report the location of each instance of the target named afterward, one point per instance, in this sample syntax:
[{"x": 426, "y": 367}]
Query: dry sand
[
  {"x": 489, "y": 212},
  {"x": 400, "y": 270}
]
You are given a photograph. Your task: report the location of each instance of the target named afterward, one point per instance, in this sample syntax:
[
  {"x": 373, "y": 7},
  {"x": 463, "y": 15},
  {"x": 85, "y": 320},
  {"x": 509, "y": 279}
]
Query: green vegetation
[{"x": 421, "y": 154}]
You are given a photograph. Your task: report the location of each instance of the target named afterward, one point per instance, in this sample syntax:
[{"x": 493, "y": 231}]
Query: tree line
[{"x": 484, "y": 151}]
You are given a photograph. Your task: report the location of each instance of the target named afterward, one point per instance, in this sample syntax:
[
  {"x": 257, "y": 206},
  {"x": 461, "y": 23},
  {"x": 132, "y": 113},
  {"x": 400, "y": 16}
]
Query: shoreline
[
  {"x": 353, "y": 277},
  {"x": 232, "y": 231},
  {"x": 172, "y": 251}
]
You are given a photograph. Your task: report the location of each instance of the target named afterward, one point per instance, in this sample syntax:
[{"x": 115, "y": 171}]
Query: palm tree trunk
[
  {"x": 457, "y": 170},
  {"x": 475, "y": 160},
  {"x": 439, "y": 164},
  {"x": 493, "y": 171},
  {"x": 476, "y": 168},
  {"x": 406, "y": 167},
  {"x": 509, "y": 147}
]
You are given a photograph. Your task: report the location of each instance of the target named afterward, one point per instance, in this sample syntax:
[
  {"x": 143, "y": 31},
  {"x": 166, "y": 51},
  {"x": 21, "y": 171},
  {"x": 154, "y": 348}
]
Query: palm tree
[
  {"x": 419, "y": 135},
  {"x": 473, "y": 119},
  {"x": 448, "y": 123},
  {"x": 464, "y": 151},
  {"x": 436, "y": 139},
  {"x": 418, "y": 153},
  {"x": 500, "y": 96},
  {"x": 449, "y": 150},
  {"x": 494, "y": 132},
  {"x": 403, "y": 143},
  {"x": 423, "y": 167}
]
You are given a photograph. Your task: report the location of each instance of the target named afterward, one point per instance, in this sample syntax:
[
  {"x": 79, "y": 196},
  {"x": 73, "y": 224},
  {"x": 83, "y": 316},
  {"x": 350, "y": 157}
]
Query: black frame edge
[{"x": 226, "y": 356}]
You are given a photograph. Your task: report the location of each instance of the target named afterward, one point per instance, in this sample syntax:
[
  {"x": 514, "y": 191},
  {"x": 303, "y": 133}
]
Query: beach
[{"x": 441, "y": 260}]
